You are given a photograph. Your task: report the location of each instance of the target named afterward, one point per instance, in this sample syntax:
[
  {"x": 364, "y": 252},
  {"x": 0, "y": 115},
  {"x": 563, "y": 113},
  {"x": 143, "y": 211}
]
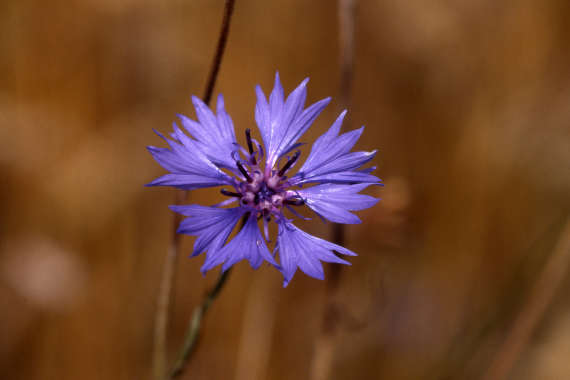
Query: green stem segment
[
  {"x": 193, "y": 332},
  {"x": 165, "y": 291}
]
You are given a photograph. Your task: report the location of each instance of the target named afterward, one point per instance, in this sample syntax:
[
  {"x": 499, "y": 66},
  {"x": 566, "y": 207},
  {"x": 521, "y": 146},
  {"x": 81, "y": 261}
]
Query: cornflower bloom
[{"x": 256, "y": 176}]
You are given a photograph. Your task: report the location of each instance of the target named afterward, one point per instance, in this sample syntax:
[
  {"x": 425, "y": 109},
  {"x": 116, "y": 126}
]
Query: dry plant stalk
[
  {"x": 541, "y": 295},
  {"x": 323, "y": 356},
  {"x": 165, "y": 290}
]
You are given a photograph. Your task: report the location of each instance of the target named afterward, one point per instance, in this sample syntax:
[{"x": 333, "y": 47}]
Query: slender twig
[
  {"x": 193, "y": 332},
  {"x": 325, "y": 343},
  {"x": 540, "y": 297},
  {"x": 222, "y": 42},
  {"x": 165, "y": 291},
  {"x": 346, "y": 10}
]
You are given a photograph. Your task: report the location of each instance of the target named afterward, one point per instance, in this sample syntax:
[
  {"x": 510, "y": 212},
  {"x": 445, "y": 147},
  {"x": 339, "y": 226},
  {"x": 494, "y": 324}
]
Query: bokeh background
[{"x": 467, "y": 101}]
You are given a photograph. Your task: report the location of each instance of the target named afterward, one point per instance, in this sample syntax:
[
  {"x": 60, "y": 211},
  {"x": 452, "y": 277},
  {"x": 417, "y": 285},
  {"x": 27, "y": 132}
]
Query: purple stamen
[
  {"x": 248, "y": 137},
  {"x": 228, "y": 193},
  {"x": 294, "y": 202},
  {"x": 289, "y": 163},
  {"x": 243, "y": 171},
  {"x": 250, "y": 145}
]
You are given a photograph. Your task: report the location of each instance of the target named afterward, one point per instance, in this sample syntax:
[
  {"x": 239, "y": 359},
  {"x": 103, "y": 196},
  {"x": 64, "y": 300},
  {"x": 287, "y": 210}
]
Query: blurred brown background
[{"x": 467, "y": 101}]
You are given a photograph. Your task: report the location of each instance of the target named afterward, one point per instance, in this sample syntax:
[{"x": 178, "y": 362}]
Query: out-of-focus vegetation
[{"x": 467, "y": 101}]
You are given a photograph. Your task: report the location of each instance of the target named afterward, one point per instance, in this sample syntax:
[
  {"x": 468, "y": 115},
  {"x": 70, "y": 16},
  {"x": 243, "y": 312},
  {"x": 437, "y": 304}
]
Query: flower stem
[
  {"x": 325, "y": 344},
  {"x": 168, "y": 273},
  {"x": 222, "y": 42},
  {"x": 195, "y": 323}
]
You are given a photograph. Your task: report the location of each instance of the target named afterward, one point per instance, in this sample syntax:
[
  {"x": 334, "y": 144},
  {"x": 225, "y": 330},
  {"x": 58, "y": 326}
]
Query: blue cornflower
[{"x": 257, "y": 178}]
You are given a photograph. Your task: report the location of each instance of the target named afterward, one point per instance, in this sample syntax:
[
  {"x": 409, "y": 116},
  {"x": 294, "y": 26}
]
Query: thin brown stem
[
  {"x": 541, "y": 295},
  {"x": 168, "y": 272},
  {"x": 346, "y": 11},
  {"x": 325, "y": 343},
  {"x": 222, "y": 42}
]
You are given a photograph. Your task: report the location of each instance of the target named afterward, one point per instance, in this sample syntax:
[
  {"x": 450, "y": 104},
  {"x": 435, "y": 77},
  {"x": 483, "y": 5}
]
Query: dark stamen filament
[
  {"x": 230, "y": 193},
  {"x": 243, "y": 171},
  {"x": 289, "y": 163},
  {"x": 295, "y": 202},
  {"x": 250, "y": 145}
]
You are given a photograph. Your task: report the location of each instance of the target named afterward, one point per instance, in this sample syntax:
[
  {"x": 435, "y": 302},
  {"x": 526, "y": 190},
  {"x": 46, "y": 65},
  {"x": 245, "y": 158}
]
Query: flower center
[{"x": 263, "y": 191}]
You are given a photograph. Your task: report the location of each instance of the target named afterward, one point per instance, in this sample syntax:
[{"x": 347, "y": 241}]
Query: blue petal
[
  {"x": 345, "y": 162},
  {"x": 167, "y": 159},
  {"x": 211, "y": 225},
  {"x": 186, "y": 181},
  {"x": 334, "y": 202},
  {"x": 189, "y": 167},
  {"x": 298, "y": 249},
  {"x": 347, "y": 177},
  {"x": 214, "y": 134},
  {"x": 225, "y": 122},
  {"x": 331, "y": 160},
  {"x": 248, "y": 244},
  {"x": 276, "y": 98},
  {"x": 298, "y": 127},
  {"x": 367, "y": 170},
  {"x": 282, "y": 122},
  {"x": 330, "y": 146}
]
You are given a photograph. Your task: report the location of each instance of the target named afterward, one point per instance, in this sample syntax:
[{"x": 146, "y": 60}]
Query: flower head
[{"x": 257, "y": 176}]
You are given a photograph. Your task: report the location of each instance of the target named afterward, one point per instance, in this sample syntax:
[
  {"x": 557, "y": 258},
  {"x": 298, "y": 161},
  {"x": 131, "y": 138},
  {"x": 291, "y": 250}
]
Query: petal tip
[{"x": 277, "y": 79}]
